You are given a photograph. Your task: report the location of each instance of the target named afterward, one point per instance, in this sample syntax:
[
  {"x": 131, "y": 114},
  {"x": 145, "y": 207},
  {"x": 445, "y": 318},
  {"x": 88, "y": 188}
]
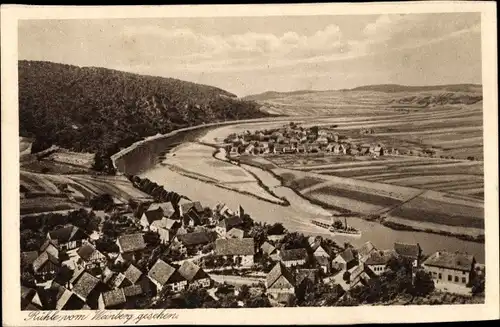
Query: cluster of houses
[
  {"x": 295, "y": 139},
  {"x": 350, "y": 267},
  {"x": 71, "y": 273}
]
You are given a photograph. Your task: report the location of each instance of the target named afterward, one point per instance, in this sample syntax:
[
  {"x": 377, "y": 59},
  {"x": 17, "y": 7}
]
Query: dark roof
[
  {"x": 53, "y": 243},
  {"x": 191, "y": 271},
  {"x": 191, "y": 215},
  {"x": 347, "y": 255},
  {"x": 230, "y": 222},
  {"x": 279, "y": 270},
  {"x": 302, "y": 274},
  {"x": 196, "y": 238},
  {"x": 267, "y": 248},
  {"x": 114, "y": 297},
  {"x": 379, "y": 257},
  {"x": 166, "y": 208},
  {"x": 131, "y": 242},
  {"x": 161, "y": 272},
  {"x": 457, "y": 260},
  {"x": 185, "y": 207},
  {"x": 133, "y": 290},
  {"x": 85, "y": 284},
  {"x": 133, "y": 274},
  {"x": 27, "y": 258},
  {"x": 85, "y": 251},
  {"x": 293, "y": 254},
  {"x": 27, "y": 294},
  {"x": 235, "y": 246},
  {"x": 153, "y": 215},
  {"x": 67, "y": 234},
  {"x": 42, "y": 259},
  {"x": 408, "y": 250}
]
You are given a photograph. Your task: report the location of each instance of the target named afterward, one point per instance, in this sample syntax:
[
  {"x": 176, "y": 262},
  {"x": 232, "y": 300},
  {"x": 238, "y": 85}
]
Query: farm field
[
  {"x": 453, "y": 176},
  {"x": 422, "y": 208},
  {"x": 47, "y": 192}
]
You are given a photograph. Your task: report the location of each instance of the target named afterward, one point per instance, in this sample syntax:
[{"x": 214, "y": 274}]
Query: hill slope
[{"x": 100, "y": 110}]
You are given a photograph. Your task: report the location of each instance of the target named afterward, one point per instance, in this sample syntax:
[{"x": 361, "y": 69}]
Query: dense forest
[{"x": 100, "y": 110}]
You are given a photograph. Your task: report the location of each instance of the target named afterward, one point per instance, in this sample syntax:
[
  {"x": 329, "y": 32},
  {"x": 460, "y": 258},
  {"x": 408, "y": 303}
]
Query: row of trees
[{"x": 99, "y": 110}]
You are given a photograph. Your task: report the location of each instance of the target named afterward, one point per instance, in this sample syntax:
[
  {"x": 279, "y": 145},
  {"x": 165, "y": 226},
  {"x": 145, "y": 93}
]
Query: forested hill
[{"x": 100, "y": 110}]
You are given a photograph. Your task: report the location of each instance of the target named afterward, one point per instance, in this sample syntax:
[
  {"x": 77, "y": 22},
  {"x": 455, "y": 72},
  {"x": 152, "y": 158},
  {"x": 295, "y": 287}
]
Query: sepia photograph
[{"x": 331, "y": 159}]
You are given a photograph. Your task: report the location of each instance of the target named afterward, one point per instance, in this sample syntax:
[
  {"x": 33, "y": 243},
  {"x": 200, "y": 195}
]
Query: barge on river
[{"x": 345, "y": 231}]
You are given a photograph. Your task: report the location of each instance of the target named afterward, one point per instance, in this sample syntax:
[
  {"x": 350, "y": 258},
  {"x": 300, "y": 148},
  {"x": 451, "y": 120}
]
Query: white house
[
  {"x": 242, "y": 251},
  {"x": 164, "y": 275},
  {"x": 293, "y": 257}
]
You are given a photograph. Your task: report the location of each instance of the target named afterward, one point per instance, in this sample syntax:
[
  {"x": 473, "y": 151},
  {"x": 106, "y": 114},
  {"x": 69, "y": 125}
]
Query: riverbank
[{"x": 296, "y": 216}]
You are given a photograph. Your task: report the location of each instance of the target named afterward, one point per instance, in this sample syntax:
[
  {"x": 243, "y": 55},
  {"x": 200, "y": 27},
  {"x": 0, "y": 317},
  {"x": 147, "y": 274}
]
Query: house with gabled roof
[
  {"x": 226, "y": 224},
  {"x": 194, "y": 274},
  {"x": 280, "y": 283},
  {"x": 86, "y": 288},
  {"x": 268, "y": 249},
  {"x": 114, "y": 299},
  {"x": 63, "y": 298},
  {"x": 241, "y": 251},
  {"x": 133, "y": 274},
  {"x": 293, "y": 257},
  {"x": 377, "y": 261},
  {"x": 412, "y": 252},
  {"x": 68, "y": 237},
  {"x": 364, "y": 251},
  {"x": 189, "y": 241},
  {"x": 164, "y": 275},
  {"x": 165, "y": 228},
  {"x": 450, "y": 268},
  {"x": 196, "y": 206},
  {"x": 306, "y": 275},
  {"x": 46, "y": 266},
  {"x": 51, "y": 247},
  {"x": 129, "y": 244},
  {"x": 150, "y": 216},
  {"x": 30, "y": 299},
  {"x": 90, "y": 257},
  {"x": 345, "y": 260}
]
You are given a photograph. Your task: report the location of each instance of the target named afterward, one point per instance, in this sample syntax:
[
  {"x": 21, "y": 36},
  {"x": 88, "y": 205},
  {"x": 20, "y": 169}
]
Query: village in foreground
[{"x": 175, "y": 253}]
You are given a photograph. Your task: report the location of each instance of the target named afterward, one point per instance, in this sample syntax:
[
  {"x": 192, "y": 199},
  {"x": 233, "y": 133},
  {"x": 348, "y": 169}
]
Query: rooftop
[
  {"x": 133, "y": 274},
  {"x": 131, "y": 242},
  {"x": 408, "y": 250},
  {"x": 114, "y": 297},
  {"x": 279, "y": 270},
  {"x": 456, "y": 261},
  {"x": 67, "y": 234},
  {"x": 293, "y": 254},
  {"x": 191, "y": 271},
  {"x": 161, "y": 272},
  {"x": 235, "y": 246},
  {"x": 85, "y": 284}
]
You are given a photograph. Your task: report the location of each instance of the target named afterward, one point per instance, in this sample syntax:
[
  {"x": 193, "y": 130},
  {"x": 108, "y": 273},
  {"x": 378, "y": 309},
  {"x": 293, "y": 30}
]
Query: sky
[{"x": 249, "y": 55}]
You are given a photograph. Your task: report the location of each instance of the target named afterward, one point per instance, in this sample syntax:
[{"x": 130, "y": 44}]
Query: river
[{"x": 295, "y": 217}]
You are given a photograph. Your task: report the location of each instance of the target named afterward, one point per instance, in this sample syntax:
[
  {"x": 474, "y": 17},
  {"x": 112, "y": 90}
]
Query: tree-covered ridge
[{"x": 100, "y": 110}]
